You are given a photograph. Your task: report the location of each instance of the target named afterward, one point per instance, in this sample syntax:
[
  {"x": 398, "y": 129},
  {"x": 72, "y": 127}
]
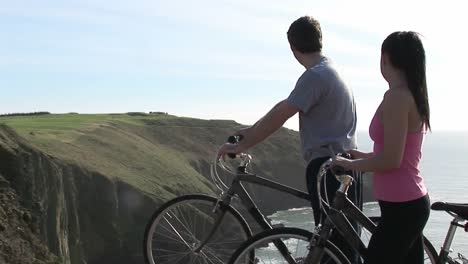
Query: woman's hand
[
  {"x": 356, "y": 154},
  {"x": 347, "y": 164}
]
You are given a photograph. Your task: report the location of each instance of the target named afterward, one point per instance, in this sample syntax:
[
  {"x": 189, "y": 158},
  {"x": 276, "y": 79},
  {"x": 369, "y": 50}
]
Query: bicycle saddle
[{"x": 456, "y": 208}]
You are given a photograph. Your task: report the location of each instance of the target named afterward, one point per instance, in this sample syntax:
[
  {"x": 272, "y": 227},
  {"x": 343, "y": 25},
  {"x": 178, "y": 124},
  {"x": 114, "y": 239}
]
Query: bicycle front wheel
[
  {"x": 264, "y": 246},
  {"x": 178, "y": 227}
]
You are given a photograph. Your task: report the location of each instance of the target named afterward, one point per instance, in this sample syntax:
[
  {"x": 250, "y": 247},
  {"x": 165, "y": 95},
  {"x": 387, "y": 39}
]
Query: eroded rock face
[
  {"x": 19, "y": 242},
  {"x": 80, "y": 216}
]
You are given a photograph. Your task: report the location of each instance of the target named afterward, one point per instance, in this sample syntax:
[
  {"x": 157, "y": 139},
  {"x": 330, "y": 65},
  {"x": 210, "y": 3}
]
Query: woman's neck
[{"x": 397, "y": 80}]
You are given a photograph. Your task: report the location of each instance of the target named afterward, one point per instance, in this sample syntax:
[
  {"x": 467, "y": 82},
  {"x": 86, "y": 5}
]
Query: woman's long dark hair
[{"x": 406, "y": 52}]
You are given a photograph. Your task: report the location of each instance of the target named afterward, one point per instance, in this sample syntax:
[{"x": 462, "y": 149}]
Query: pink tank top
[{"x": 404, "y": 183}]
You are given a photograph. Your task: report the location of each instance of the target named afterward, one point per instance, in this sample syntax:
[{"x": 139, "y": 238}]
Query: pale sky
[{"x": 214, "y": 59}]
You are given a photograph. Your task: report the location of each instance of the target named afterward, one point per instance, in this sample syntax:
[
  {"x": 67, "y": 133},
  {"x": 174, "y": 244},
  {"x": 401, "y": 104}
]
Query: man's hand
[
  {"x": 263, "y": 128},
  {"x": 233, "y": 148}
]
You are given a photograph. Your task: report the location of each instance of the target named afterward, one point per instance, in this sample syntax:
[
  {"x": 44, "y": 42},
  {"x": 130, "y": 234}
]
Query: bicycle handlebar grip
[{"x": 233, "y": 140}]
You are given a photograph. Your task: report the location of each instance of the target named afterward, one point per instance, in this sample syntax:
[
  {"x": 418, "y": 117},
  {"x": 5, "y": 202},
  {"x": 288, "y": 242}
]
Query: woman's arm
[
  {"x": 395, "y": 109},
  {"x": 357, "y": 154}
]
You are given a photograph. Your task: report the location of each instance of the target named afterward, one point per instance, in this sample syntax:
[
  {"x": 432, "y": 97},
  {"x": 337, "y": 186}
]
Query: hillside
[{"x": 90, "y": 182}]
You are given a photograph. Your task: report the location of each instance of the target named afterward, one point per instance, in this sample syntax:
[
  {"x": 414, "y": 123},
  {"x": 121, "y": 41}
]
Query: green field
[{"x": 145, "y": 150}]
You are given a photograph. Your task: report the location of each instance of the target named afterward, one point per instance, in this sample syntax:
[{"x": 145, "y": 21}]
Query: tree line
[{"x": 26, "y": 114}]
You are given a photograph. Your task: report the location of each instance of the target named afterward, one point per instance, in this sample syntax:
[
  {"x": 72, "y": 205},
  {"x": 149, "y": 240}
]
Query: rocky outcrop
[{"x": 19, "y": 242}]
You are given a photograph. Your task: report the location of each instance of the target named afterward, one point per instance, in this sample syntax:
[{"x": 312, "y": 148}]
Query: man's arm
[
  {"x": 263, "y": 128},
  {"x": 268, "y": 124}
]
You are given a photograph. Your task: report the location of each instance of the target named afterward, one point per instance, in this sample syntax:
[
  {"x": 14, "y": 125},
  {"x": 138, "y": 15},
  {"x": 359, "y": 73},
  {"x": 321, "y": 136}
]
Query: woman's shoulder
[
  {"x": 397, "y": 100},
  {"x": 398, "y": 95}
]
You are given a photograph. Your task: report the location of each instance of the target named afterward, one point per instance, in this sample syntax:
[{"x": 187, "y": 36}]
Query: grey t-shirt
[{"x": 327, "y": 111}]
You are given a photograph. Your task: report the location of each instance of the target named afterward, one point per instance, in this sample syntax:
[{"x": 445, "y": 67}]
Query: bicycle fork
[
  {"x": 220, "y": 211},
  {"x": 322, "y": 235},
  {"x": 317, "y": 244}
]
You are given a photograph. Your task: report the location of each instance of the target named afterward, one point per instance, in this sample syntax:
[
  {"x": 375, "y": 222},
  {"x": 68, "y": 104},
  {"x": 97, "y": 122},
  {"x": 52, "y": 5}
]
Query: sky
[{"x": 214, "y": 59}]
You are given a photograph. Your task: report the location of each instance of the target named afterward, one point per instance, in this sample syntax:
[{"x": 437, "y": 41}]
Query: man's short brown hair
[{"x": 305, "y": 35}]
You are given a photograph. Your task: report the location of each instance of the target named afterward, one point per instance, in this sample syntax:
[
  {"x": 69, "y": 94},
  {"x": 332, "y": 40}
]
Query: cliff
[{"x": 82, "y": 187}]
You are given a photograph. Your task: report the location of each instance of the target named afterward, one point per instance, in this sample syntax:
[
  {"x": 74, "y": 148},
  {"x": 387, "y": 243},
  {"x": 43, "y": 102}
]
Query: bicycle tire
[
  {"x": 430, "y": 254},
  {"x": 178, "y": 225},
  {"x": 265, "y": 252}
]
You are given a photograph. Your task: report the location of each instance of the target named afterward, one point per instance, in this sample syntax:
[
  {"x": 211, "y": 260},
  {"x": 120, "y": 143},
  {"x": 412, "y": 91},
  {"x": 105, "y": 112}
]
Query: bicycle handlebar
[
  {"x": 233, "y": 140},
  {"x": 245, "y": 159},
  {"x": 336, "y": 169},
  {"x": 244, "y": 162}
]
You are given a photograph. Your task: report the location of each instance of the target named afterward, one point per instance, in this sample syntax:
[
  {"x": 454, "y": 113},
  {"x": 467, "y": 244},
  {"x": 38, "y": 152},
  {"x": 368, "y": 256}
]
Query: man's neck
[{"x": 311, "y": 59}]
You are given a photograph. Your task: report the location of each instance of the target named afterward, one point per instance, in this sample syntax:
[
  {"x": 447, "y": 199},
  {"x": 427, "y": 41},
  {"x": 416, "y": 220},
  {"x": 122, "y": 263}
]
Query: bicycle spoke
[{"x": 184, "y": 223}]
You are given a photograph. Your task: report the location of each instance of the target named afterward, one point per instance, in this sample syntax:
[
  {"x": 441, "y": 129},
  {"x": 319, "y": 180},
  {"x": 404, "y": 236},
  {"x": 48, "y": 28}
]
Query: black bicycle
[
  {"x": 307, "y": 247},
  {"x": 200, "y": 228},
  {"x": 460, "y": 220}
]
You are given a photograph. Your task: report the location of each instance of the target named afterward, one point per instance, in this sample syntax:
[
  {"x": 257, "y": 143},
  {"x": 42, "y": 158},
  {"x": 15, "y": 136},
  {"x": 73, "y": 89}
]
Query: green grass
[
  {"x": 119, "y": 146},
  {"x": 61, "y": 123},
  {"x": 160, "y": 154},
  {"x": 42, "y": 129}
]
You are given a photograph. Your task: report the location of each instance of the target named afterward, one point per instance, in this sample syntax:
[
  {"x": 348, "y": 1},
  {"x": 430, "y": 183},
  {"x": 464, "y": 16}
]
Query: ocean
[{"x": 445, "y": 170}]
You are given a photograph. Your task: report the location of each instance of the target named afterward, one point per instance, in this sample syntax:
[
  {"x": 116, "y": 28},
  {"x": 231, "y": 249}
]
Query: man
[{"x": 327, "y": 113}]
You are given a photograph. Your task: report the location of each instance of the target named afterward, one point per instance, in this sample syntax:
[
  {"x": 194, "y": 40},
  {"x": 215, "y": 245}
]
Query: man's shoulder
[
  {"x": 325, "y": 75},
  {"x": 317, "y": 72},
  {"x": 309, "y": 78},
  {"x": 310, "y": 73}
]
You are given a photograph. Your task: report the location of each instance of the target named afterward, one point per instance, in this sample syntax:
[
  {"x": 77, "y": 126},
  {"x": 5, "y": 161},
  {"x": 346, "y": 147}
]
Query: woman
[{"x": 398, "y": 130}]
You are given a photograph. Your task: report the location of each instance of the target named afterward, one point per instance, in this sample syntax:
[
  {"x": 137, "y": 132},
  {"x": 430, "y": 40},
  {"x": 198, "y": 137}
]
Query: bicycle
[
  {"x": 460, "y": 215},
  {"x": 307, "y": 247},
  {"x": 200, "y": 228}
]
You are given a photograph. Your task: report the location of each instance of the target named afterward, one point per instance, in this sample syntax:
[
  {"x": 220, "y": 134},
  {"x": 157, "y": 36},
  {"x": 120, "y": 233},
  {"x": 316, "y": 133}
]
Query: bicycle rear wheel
[
  {"x": 179, "y": 226},
  {"x": 263, "y": 247},
  {"x": 430, "y": 254}
]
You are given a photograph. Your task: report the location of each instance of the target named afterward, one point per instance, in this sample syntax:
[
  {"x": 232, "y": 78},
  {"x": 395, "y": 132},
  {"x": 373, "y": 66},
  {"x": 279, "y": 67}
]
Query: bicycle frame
[
  {"x": 443, "y": 256},
  {"x": 338, "y": 214},
  {"x": 238, "y": 189},
  {"x": 337, "y": 218}
]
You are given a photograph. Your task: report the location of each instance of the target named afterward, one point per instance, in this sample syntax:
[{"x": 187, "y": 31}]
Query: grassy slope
[
  {"x": 140, "y": 150},
  {"x": 145, "y": 150}
]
